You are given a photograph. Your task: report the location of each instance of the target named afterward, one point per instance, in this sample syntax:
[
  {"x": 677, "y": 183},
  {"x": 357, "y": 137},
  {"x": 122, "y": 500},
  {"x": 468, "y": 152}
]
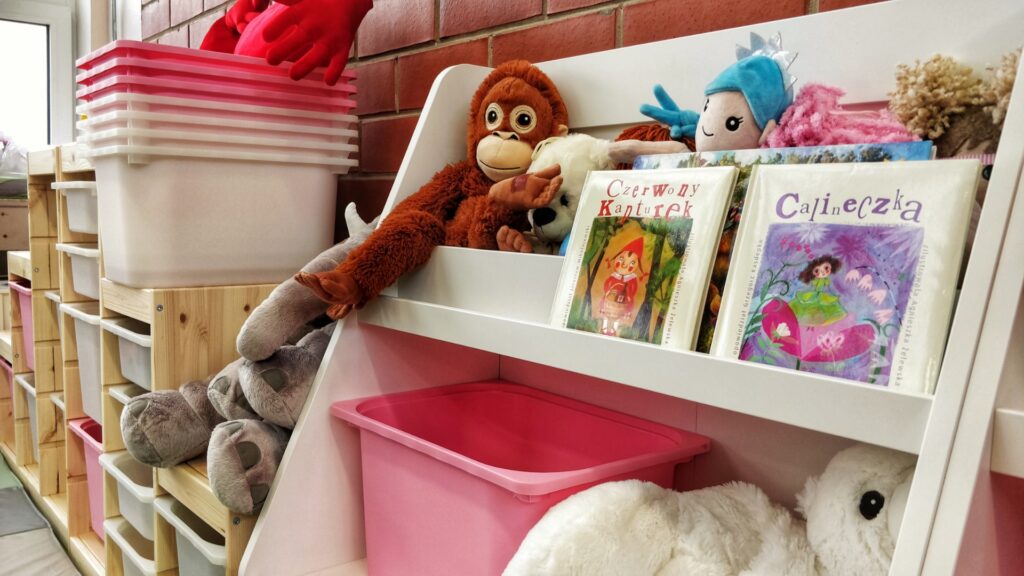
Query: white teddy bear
[{"x": 853, "y": 513}]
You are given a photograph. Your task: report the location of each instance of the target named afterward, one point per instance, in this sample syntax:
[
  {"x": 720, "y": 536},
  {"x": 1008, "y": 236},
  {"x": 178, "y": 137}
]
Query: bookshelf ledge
[{"x": 843, "y": 408}]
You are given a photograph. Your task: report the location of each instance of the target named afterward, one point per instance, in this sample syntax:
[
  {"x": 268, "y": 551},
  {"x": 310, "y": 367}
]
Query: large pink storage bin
[
  {"x": 148, "y": 50},
  {"x": 454, "y": 477},
  {"x": 28, "y": 335},
  {"x": 91, "y": 434}
]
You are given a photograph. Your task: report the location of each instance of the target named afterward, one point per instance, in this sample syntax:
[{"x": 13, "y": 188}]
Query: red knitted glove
[{"x": 315, "y": 33}]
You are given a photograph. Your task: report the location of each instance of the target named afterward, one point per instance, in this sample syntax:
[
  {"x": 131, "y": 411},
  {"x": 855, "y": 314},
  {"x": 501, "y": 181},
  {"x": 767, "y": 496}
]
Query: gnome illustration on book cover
[{"x": 830, "y": 299}]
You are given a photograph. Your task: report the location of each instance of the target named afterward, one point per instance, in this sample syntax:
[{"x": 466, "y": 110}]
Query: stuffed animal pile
[{"x": 853, "y": 513}]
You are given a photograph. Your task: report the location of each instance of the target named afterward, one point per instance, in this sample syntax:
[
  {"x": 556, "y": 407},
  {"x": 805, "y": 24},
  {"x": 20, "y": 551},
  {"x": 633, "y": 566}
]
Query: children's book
[
  {"x": 640, "y": 253},
  {"x": 849, "y": 270},
  {"x": 745, "y": 160}
]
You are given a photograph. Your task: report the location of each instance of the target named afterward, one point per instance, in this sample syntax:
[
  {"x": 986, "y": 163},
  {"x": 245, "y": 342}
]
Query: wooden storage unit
[{"x": 472, "y": 315}]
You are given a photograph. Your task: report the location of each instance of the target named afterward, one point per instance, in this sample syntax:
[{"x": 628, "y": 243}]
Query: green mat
[{"x": 7, "y": 478}]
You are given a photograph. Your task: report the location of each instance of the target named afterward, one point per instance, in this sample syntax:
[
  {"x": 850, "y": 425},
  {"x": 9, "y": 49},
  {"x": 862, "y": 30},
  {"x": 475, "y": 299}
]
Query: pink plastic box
[
  {"x": 135, "y": 48},
  {"x": 91, "y": 434},
  {"x": 8, "y": 374},
  {"x": 28, "y": 336},
  {"x": 219, "y": 91},
  {"x": 181, "y": 71},
  {"x": 454, "y": 477}
]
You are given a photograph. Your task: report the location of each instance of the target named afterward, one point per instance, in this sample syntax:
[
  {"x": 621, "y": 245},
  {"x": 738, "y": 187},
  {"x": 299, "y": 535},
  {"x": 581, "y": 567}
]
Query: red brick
[
  {"x": 663, "y": 19},
  {"x": 376, "y": 84},
  {"x": 182, "y": 10},
  {"x": 197, "y": 28},
  {"x": 569, "y": 37},
  {"x": 826, "y": 5},
  {"x": 369, "y": 194},
  {"x": 461, "y": 16},
  {"x": 178, "y": 37},
  {"x": 416, "y": 72},
  {"x": 383, "y": 143},
  {"x": 156, "y": 17},
  {"x": 393, "y": 24},
  {"x": 556, "y": 6}
]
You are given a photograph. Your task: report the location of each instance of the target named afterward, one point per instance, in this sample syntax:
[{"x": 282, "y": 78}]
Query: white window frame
[{"x": 57, "y": 17}]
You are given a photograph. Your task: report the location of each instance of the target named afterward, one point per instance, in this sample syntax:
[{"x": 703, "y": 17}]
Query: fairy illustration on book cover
[
  {"x": 628, "y": 276},
  {"x": 832, "y": 298}
]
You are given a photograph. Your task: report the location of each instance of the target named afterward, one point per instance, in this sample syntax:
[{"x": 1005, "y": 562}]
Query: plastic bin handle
[
  {"x": 76, "y": 312},
  {"x": 214, "y": 554},
  {"x": 30, "y": 387},
  {"x": 86, "y": 250},
  {"x": 111, "y": 529},
  {"x": 76, "y": 185},
  {"x": 119, "y": 327},
  {"x": 109, "y": 463}
]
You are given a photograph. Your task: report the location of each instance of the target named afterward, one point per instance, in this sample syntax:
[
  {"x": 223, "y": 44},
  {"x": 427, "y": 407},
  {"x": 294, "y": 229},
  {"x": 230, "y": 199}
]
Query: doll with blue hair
[{"x": 742, "y": 105}]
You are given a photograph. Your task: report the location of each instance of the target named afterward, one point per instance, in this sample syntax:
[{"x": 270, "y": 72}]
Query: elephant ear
[{"x": 805, "y": 499}]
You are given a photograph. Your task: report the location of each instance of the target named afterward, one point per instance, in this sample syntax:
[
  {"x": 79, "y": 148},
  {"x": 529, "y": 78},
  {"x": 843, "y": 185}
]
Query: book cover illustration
[
  {"x": 849, "y": 270},
  {"x": 831, "y": 298},
  {"x": 745, "y": 161},
  {"x": 640, "y": 254}
]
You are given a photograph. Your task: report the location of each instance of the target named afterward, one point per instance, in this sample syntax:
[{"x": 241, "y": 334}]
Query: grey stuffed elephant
[{"x": 242, "y": 416}]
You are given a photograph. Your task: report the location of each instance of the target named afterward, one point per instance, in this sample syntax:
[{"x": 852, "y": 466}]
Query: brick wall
[{"x": 403, "y": 44}]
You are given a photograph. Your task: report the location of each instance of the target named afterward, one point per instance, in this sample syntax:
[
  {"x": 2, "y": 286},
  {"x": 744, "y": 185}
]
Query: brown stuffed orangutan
[{"x": 516, "y": 107}]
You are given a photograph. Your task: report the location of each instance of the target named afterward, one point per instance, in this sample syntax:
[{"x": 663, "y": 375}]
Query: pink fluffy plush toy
[{"x": 816, "y": 119}]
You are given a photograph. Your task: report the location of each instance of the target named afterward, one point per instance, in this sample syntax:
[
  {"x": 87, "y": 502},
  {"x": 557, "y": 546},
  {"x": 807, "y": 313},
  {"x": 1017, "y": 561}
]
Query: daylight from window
[{"x": 24, "y": 115}]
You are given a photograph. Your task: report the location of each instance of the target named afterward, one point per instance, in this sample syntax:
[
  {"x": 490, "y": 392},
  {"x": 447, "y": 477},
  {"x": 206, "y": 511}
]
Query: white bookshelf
[{"x": 472, "y": 315}]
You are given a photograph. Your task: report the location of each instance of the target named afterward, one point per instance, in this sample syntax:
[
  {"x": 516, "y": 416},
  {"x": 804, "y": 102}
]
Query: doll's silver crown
[{"x": 771, "y": 48}]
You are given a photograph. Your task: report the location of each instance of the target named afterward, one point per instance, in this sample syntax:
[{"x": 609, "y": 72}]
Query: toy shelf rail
[{"x": 843, "y": 408}]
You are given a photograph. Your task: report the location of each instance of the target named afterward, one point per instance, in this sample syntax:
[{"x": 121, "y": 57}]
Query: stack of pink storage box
[{"x": 211, "y": 168}]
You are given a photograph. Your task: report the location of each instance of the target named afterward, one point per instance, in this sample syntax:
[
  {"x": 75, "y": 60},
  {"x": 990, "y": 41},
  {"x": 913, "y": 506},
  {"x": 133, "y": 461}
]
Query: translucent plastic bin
[
  {"x": 170, "y": 54},
  {"x": 135, "y": 491},
  {"x": 87, "y": 340},
  {"x": 136, "y": 551},
  {"x": 134, "y": 349},
  {"x": 28, "y": 335},
  {"x": 213, "y": 112},
  {"x": 85, "y": 268},
  {"x": 169, "y": 70},
  {"x": 213, "y": 125},
  {"x": 91, "y": 434},
  {"x": 194, "y": 220},
  {"x": 472, "y": 467},
  {"x": 222, "y": 140},
  {"x": 81, "y": 205},
  {"x": 214, "y": 91},
  {"x": 28, "y": 384},
  {"x": 200, "y": 547}
]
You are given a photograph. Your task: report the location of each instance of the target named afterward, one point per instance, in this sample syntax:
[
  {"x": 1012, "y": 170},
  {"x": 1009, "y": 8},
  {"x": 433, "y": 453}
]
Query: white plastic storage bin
[
  {"x": 136, "y": 551},
  {"x": 134, "y": 347},
  {"x": 85, "y": 268},
  {"x": 200, "y": 547},
  {"x": 185, "y": 218},
  {"x": 87, "y": 339},
  {"x": 28, "y": 384},
  {"x": 82, "y": 211},
  {"x": 134, "y": 490}
]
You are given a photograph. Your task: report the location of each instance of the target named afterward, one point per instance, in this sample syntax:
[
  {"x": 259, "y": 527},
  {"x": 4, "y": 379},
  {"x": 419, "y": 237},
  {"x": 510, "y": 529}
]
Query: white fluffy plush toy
[
  {"x": 853, "y": 513},
  {"x": 577, "y": 154}
]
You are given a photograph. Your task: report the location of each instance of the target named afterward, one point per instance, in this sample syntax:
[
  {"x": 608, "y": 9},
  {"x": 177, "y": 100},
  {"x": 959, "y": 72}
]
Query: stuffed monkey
[{"x": 514, "y": 109}]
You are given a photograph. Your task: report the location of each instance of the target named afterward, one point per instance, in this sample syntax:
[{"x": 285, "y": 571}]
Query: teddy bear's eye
[
  {"x": 564, "y": 200},
  {"x": 871, "y": 503}
]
